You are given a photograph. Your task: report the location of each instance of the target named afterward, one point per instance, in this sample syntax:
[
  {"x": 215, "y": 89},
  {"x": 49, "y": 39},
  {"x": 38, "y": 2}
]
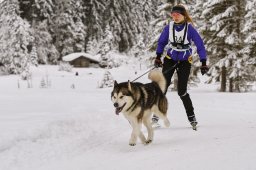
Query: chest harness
[{"x": 178, "y": 40}]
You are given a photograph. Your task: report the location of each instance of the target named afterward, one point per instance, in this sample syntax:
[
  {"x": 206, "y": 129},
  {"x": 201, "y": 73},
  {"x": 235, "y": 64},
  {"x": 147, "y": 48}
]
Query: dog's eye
[
  {"x": 114, "y": 97},
  {"x": 121, "y": 97}
]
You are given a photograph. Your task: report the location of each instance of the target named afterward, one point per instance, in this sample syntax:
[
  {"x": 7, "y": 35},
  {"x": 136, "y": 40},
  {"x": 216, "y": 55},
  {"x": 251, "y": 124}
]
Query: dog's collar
[
  {"x": 133, "y": 104},
  {"x": 136, "y": 102}
]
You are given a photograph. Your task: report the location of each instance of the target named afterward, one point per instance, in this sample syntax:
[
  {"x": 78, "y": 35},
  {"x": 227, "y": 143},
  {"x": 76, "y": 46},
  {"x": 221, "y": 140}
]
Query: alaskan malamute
[{"x": 139, "y": 101}]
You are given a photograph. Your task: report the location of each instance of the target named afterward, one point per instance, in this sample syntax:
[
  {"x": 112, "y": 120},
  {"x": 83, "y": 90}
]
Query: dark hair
[{"x": 179, "y": 9}]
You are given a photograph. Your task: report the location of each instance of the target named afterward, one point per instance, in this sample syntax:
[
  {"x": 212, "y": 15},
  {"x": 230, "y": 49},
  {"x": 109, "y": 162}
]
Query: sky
[{"x": 72, "y": 125}]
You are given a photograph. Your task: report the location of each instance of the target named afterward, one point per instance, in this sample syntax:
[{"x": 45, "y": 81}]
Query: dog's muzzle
[{"x": 118, "y": 109}]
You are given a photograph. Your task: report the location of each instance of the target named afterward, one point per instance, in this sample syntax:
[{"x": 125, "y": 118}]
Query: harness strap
[
  {"x": 184, "y": 35},
  {"x": 172, "y": 40},
  {"x": 177, "y": 49},
  {"x": 132, "y": 106}
]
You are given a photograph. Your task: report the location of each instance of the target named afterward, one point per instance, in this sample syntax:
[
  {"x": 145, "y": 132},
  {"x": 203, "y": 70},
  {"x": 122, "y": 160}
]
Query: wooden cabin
[{"x": 80, "y": 59}]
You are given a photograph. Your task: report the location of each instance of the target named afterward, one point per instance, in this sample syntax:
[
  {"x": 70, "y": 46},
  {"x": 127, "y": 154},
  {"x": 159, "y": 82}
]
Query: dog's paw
[
  {"x": 132, "y": 144},
  {"x": 148, "y": 142}
]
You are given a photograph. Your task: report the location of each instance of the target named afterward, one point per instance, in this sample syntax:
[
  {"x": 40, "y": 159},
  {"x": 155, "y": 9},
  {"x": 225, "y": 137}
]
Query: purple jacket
[{"x": 192, "y": 35}]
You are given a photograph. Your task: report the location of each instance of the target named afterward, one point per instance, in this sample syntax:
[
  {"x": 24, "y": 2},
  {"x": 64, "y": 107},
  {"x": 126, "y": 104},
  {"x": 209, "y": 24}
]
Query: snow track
[
  {"x": 59, "y": 140},
  {"x": 77, "y": 129}
]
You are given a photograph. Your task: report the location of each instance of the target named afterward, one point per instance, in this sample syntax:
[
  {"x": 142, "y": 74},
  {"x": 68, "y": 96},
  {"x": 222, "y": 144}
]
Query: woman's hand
[{"x": 158, "y": 62}]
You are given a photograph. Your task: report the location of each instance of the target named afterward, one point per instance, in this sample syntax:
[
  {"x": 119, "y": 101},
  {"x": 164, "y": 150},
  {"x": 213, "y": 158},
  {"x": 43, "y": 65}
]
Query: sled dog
[{"x": 139, "y": 101}]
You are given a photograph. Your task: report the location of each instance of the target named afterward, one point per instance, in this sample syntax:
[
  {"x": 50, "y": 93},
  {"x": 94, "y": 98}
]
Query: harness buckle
[{"x": 179, "y": 46}]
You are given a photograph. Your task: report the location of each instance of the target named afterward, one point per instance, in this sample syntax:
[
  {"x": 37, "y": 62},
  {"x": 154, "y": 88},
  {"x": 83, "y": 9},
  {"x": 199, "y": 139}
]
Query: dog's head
[{"x": 121, "y": 96}]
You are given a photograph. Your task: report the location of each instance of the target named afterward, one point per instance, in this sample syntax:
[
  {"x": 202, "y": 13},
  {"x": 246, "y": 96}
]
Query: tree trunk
[
  {"x": 231, "y": 82},
  {"x": 223, "y": 79},
  {"x": 237, "y": 87}
]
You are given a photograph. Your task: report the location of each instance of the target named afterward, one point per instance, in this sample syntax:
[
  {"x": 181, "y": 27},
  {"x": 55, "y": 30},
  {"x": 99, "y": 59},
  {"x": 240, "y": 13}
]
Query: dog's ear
[
  {"x": 115, "y": 83},
  {"x": 129, "y": 85}
]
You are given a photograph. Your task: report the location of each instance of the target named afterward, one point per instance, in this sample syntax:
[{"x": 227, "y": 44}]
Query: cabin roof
[{"x": 73, "y": 56}]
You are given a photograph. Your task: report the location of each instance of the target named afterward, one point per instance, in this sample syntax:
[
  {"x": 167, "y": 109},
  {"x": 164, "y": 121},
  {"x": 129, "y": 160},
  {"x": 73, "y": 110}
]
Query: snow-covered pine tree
[
  {"x": 62, "y": 25},
  {"x": 93, "y": 47},
  {"x": 79, "y": 36},
  {"x": 223, "y": 37},
  {"x": 197, "y": 10},
  {"x": 39, "y": 13},
  {"x": 15, "y": 36},
  {"x": 157, "y": 25},
  {"x": 93, "y": 19},
  {"x": 148, "y": 13},
  {"x": 75, "y": 9},
  {"x": 106, "y": 47},
  {"x": 65, "y": 66},
  {"x": 67, "y": 26},
  {"x": 36, "y": 10},
  {"x": 44, "y": 8},
  {"x": 107, "y": 80},
  {"x": 249, "y": 50},
  {"x": 107, "y": 41},
  {"x": 43, "y": 41},
  {"x": 127, "y": 19},
  {"x": 139, "y": 50},
  {"x": 34, "y": 56},
  {"x": 73, "y": 24}
]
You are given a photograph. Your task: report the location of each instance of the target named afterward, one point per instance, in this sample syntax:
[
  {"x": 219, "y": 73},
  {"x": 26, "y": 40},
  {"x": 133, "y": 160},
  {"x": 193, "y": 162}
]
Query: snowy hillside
[{"x": 72, "y": 126}]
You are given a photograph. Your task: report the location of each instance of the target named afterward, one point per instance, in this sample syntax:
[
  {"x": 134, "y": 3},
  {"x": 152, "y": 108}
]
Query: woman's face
[{"x": 177, "y": 17}]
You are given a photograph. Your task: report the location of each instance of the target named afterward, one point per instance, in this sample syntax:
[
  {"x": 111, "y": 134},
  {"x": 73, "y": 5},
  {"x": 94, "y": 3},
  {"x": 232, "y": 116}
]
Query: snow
[
  {"x": 63, "y": 128},
  {"x": 73, "y": 56}
]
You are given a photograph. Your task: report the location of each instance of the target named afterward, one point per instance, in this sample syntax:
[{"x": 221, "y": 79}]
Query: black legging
[{"x": 183, "y": 71}]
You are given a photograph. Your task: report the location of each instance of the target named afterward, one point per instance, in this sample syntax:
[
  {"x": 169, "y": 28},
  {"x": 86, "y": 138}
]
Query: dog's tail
[{"x": 158, "y": 77}]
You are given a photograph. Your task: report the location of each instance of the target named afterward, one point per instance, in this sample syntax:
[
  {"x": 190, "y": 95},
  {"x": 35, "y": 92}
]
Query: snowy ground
[{"x": 64, "y": 128}]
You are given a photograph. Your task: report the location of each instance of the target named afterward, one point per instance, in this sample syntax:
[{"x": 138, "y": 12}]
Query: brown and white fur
[{"x": 139, "y": 101}]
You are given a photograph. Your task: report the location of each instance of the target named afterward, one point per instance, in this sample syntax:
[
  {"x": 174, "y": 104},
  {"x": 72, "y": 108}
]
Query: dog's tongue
[{"x": 117, "y": 111}]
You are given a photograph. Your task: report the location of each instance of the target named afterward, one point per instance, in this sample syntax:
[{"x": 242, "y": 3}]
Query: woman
[{"x": 179, "y": 34}]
